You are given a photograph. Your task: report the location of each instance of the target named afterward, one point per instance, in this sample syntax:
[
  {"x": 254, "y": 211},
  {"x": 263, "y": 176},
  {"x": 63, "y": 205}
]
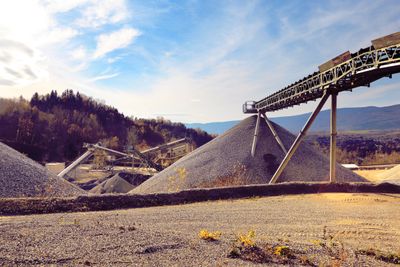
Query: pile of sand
[
  {"x": 22, "y": 177},
  {"x": 391, "y": 176},
  {"x": 227, "y": 160}
]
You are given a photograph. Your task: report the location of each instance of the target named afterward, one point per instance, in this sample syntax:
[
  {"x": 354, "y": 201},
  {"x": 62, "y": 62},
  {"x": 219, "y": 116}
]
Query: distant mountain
[{"x": 349, "y": 119}]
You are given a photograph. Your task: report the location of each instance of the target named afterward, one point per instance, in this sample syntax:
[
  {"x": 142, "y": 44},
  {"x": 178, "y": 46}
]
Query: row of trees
[
  {"x": 53, "y": 127},
  {"x": 367, "y": 150}
]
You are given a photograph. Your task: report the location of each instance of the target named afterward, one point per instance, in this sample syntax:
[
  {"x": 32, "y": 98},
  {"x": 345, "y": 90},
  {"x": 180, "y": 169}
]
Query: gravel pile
[
  {"x": 391, "y": 176},
  {"x": 227, "y": 160},
  {"x": 122, "y": 182},
  {"x": 22, "y": 177},
  {"x": 115, "y": 184},
  {"x": 89, "y": 185},
  {"x": 134, "y": 178}
]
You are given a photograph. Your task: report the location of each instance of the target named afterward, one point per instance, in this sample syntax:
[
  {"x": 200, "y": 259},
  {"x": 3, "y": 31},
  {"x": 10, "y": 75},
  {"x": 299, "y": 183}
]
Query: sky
[{"x": 187, "y": 61}]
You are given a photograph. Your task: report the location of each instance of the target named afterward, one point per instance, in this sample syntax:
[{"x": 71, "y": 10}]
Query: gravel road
[{"x": 168, "y": 236}]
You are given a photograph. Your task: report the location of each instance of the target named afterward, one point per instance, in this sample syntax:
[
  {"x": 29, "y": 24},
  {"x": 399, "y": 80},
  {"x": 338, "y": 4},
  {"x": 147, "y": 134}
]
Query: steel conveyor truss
[{"x": 342, "y": 73}]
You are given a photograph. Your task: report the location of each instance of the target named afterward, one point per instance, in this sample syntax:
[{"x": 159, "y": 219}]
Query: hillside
[
  {"x": 54, "y": 127},
  {"x": 349, "y": 119}
]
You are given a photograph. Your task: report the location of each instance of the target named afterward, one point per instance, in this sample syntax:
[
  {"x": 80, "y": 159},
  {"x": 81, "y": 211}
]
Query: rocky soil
[{"x": 335, "y": 229}]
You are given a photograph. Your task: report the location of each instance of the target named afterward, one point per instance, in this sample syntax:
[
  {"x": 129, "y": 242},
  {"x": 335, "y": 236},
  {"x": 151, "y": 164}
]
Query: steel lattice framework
[{"x": 342, "y": 73}]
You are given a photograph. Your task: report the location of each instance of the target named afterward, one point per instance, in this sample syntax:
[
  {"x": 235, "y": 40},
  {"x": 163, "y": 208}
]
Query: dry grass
[{"x": 176, "y": 182}]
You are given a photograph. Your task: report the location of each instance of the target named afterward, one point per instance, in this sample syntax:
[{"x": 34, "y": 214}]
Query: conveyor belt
[{"x": 345, "y": 72}]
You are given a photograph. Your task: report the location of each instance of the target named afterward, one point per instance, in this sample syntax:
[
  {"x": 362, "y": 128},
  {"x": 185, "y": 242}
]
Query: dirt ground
[{"x": 335, "y": 229}]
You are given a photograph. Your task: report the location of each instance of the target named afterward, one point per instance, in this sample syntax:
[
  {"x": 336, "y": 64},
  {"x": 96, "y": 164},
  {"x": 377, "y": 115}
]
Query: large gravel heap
[
  {"x": 391, "y": 176},
  {"x": 227, "y": 160},
  {"x": 23, "y": 177}
]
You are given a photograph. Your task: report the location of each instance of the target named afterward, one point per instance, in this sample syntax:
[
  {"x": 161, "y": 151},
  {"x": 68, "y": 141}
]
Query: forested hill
[{"x": 54, "y": 127}]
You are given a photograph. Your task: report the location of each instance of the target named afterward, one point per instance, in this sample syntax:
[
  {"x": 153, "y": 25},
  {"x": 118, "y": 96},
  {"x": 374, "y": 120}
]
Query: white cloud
[
  {"x": 115, "y": 40},
  {"x": 20, "y": 64},
  {"x": 26, "y": 34},
  {"x": 23, "y": 20},
  {"x": 103, "y": 77},
  {"x": 58, "y": 35},
  {"x": 100, "y": 12},
  {"x": 33, "y": 24},
  {"x": 79, "y": 53},
  {"x": 113, "y": 59},
  {"x": 378, "y": 91},
  {"x": 168, "y": 54},
  {"x": 59, "y": 6},
  {"x": 34, "y": 42}
]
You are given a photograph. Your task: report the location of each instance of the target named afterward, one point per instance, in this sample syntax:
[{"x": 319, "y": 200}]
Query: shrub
[
  {"x": 209, "y": 236},
  {"x": 248, "y": 239}
]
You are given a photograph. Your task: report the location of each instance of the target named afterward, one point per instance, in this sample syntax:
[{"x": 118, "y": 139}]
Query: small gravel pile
[
  {"x": 121, "y": 182},
  {"x": 22, "y": 177},
  {"x": 134, "y": 179},
  {"x": 227, "y": 160},
  {"x": 89, "y": 185},
  {"x": 115, "y": 184},
  {"x": 391, "y": 176}
]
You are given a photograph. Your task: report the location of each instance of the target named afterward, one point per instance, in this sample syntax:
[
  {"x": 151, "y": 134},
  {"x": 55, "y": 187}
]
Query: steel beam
[
  {"x": 333, "y": 138},
  {"x": 299, "y": 138},
  {"x": 274, "y": 133},
  {"x": 257, "y": 129},
  {"x": 96, "y": 146},
  {"x": 143, "y": 158},
  {"x": 75, "y": 164}
]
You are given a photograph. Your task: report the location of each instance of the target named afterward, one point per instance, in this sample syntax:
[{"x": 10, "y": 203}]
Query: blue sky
[{"x": 189, "y": 61}]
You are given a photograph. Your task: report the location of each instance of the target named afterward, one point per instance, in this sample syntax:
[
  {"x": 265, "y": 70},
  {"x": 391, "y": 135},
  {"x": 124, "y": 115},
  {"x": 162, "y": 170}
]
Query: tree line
[
  {"x": 362, "y": 149},
  {"x": 53, "y": 127}
]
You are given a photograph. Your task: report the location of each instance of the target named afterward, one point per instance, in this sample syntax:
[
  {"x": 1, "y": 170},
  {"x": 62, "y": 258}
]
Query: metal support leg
[
  {"x": 274, "y": 133},
  {"x": 75, "y": 164},
  {"x": 298, "y": 140},
  {"x": 333, "y": 139},
  {"x": 253, "y": 147}
]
